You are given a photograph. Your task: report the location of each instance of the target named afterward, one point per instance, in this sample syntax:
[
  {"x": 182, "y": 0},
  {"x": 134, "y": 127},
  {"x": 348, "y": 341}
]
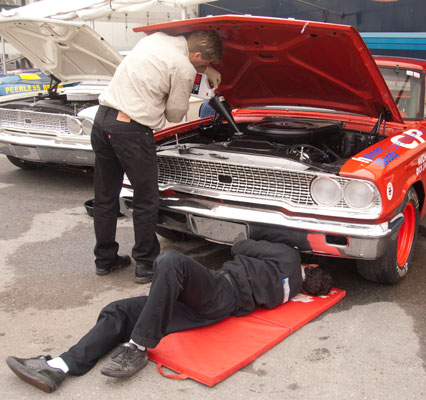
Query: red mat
[{"x": 211, "y": 354}]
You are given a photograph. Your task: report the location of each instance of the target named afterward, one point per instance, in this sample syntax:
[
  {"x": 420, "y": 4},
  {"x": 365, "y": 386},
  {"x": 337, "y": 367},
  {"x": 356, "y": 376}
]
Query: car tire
[
  {"x": 175, "y": 236},
  {"x": 28, "y": 165},
  {"x": 392, "y": 267}
]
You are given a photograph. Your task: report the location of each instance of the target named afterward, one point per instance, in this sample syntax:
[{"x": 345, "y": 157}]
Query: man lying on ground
[{"x": 184, "y": 295}]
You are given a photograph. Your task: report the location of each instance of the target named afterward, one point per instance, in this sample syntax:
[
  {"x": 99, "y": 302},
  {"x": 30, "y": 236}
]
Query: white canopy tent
[
  {"x": 95, "y": 9},
  {"x": 110, "y": 14}
]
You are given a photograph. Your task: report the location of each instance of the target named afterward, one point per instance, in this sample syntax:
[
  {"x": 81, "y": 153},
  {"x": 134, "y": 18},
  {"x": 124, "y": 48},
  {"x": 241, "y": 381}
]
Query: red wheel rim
[{"x": 406, "y": 235}]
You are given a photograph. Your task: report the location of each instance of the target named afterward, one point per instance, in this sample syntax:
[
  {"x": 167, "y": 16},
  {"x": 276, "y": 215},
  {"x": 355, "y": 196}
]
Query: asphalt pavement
[{"x": 371, "y": 345}]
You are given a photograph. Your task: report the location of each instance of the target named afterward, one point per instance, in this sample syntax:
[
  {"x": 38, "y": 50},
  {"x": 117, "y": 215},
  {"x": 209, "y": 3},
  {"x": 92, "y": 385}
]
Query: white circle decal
[{"x": 389, "y": 191}]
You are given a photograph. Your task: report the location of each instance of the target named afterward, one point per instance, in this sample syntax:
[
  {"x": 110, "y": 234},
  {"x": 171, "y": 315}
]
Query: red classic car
[{"x": 324, "y": 148}]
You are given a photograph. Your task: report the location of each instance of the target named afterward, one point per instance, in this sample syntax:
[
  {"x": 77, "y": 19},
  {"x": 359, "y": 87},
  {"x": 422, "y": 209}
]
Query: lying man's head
[{"x": 317, "y": 282}]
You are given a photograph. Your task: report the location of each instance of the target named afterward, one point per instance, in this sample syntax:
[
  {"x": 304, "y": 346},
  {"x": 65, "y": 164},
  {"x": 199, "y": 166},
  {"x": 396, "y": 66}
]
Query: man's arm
[{"x": 177, "y": 103}]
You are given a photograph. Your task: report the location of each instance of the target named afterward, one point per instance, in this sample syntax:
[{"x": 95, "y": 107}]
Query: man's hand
[{"x": 214, "y": 76}]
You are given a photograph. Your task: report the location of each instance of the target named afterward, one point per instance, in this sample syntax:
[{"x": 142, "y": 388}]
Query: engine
[{"x": 322, "y": 143}]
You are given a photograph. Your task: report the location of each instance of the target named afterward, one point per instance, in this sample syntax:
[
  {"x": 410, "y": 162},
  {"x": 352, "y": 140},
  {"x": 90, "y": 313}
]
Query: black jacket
[{"x": 263, "y": 274}]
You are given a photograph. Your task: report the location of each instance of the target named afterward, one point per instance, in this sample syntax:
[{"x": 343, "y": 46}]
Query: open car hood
[
  {"x": 272, "y": 61},
  {"x": 70, "y": 51}
]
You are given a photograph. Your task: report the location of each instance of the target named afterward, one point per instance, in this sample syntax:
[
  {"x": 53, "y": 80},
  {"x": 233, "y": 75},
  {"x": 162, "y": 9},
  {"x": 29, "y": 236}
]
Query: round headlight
[
  {"x": 326, "y": 191},
  {"x": 74, "y": 125},
  {"x": 87, "y": 126},
  {"x": 358, "y": 194}
]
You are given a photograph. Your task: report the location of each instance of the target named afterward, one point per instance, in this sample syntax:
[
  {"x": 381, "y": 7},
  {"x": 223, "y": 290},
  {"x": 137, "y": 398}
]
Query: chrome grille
[
  {"x": 269, "y": 183},
  {"x": 33, "y": 121}
]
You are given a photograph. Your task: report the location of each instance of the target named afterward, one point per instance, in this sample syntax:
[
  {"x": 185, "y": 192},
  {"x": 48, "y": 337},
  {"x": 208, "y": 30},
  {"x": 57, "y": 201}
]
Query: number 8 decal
[{"x": 409, "y": 139}]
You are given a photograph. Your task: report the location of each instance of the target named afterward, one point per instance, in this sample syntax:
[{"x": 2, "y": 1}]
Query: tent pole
[{"x": 3, "y": 55}]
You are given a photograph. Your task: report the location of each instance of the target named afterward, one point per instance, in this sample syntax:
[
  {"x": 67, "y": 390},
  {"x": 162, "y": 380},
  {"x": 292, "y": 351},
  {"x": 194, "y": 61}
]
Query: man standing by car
[{"x": 152, "y": 84}]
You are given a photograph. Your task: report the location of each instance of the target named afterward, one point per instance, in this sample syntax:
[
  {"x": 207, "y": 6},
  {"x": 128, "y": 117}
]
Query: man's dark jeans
[{"x": 124, "y": 147}]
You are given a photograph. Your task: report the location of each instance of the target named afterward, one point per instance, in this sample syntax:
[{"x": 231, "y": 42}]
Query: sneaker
[
  {"x": 125, "y": 362},
  {"x": 121, "y": 262},
  {"x": 143, "y": 273},
  {"x": 37, "y": 372}
]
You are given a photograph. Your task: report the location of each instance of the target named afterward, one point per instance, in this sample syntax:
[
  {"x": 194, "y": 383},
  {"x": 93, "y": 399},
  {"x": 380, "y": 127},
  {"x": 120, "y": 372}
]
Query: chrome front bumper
[
  {"x": 224, "y": 222},
  {"x": 54, "y": 150}
]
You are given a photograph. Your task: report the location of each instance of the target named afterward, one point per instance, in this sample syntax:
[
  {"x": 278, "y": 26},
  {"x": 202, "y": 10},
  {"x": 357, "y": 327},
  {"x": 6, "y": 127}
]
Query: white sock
[
  {"x": 141, "y": 348},
  {"x": 59, "y": 363}
]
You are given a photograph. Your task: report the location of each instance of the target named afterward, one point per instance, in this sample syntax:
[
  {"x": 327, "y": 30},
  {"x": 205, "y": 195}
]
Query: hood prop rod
[
  {"x": 375, "y": 132},
  {"x": 54, "y": 84}
]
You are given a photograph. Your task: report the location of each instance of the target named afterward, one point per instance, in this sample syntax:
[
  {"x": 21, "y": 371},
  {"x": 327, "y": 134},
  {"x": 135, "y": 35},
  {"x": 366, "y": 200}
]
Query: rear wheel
[
  {"x": 24, "y": 164},
  {"x": 393, "y": 265}
]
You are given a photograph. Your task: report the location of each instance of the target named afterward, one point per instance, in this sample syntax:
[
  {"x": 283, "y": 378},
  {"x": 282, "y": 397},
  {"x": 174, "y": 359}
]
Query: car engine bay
[{"x": 322, "y": 144}]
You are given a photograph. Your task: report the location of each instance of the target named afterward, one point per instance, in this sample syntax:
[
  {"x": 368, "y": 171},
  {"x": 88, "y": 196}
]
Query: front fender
[{"x": 394, "y": 165}]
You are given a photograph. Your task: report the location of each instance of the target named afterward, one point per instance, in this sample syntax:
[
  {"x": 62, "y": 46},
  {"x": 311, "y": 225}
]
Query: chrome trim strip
[
  {"x": 80, "y": 143},
  {"x": 249, "y": 214}
]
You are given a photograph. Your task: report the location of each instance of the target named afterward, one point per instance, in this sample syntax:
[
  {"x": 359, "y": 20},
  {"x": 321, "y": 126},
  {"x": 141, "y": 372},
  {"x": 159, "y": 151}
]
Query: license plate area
[
  {"x": 24, "y": 152},
  {"x": 218, "y": 231}
]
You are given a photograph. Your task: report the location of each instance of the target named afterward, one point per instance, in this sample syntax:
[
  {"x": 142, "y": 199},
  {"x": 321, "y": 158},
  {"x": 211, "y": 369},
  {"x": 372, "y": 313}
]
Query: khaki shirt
[{"x": 154, "y": 82}]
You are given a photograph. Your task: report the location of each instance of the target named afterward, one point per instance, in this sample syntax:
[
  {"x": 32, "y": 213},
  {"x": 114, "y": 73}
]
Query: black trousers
[
  {"x": 183, "y": 295},
  {"x": 124, "y": 147}
]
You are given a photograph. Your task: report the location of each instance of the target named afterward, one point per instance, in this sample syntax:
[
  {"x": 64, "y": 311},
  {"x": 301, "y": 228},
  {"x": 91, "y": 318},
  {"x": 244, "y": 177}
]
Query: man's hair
[
  {"x": 208, "y": 43},
  {"x": 317, "y": 281}
]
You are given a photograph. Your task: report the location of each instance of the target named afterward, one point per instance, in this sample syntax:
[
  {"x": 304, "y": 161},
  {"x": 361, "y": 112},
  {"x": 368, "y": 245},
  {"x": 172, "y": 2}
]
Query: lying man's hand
[{"x": 214, "y": 76}]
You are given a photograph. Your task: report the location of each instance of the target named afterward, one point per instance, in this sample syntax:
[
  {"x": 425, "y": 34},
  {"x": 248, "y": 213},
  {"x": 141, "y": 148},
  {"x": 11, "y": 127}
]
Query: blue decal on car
[{"x": 383, "y": 161}]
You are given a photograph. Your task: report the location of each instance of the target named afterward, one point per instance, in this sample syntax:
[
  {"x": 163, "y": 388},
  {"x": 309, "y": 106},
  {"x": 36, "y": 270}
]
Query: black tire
[
  {"x": 393, "y": 265},
  {"x": 28, "y": 165},
  {"x": 172, "y": 235}
]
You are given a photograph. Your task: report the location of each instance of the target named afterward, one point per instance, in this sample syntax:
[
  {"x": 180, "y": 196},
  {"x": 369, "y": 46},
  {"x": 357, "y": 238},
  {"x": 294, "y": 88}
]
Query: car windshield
[{"x": 406, "y": 87}]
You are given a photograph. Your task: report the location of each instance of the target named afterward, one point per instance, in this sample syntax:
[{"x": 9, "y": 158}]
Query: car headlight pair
[
  {"x": 79, "y": 126},
  {"x": 328, "y": 192}
]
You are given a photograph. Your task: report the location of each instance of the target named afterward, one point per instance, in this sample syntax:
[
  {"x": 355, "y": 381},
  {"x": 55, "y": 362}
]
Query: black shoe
[
  {"x": 125, "y": 362},
  {"x": 121, "y": 262},
  {"x": 37, "y": 372},
  {"x": 143, "y": 273}
]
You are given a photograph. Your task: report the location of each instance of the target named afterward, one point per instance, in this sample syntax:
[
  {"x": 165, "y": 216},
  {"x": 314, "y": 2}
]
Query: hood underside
[
  {"x": 70, "y": 51},
  {"x": 272, "y": 61}
]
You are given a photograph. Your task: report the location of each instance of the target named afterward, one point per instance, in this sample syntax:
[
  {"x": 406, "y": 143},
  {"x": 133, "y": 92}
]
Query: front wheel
[{"x": 393, "y": 265}]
